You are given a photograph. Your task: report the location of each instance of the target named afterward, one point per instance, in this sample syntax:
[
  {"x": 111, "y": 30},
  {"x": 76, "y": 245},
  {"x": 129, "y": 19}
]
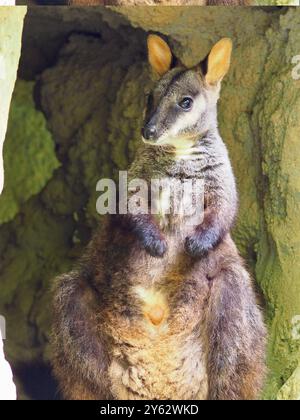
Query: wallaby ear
[
  {"x": 159, "y": 54},
  {"x": 218, "y": 61}
]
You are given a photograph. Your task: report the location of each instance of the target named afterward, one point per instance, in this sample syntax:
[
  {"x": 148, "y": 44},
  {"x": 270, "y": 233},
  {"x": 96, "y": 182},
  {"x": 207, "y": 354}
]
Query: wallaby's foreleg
[
  {"x": 218, "y": 219},
  {"x": 147, "y": 232},
  {"x": 80, "y": 357},
  {"x": 236, "y": 338}
]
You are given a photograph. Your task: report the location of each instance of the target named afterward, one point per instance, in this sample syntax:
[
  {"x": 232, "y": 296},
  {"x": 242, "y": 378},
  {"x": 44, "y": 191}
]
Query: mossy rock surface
[{"x": 29, "y": 156}]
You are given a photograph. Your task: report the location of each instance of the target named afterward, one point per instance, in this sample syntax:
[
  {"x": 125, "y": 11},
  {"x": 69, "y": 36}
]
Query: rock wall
[{"x": 88, "y": 79}]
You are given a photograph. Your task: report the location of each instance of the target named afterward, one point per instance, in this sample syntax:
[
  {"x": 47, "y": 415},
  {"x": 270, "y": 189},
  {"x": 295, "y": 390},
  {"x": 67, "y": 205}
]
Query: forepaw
[
  {"x": 155, "y": 246},
  {"x": 195, "y": 248}
]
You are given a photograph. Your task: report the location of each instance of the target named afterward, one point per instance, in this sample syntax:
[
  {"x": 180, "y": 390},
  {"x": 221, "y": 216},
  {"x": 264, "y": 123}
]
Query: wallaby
[{"x": 159, "y": 308}]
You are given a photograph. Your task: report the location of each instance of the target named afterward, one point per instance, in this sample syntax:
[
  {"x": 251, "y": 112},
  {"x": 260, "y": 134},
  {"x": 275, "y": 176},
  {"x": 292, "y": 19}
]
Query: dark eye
[{"x": 186, "y": 103}]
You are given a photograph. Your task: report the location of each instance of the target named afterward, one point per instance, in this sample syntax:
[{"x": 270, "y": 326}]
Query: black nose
[{"x": 149, "y": 132}]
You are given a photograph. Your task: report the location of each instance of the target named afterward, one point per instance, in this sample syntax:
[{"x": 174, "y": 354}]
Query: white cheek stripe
[{"x": 186, "y": 120}]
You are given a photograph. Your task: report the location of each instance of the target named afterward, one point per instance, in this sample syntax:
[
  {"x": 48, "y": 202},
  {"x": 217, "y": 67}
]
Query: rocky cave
[{"x": 75, "y": 117}]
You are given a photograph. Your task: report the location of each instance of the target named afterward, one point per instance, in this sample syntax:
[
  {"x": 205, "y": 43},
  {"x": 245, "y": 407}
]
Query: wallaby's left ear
[
  {"x": 159, "y": 54},
  {"x": 218, "y": 61}
]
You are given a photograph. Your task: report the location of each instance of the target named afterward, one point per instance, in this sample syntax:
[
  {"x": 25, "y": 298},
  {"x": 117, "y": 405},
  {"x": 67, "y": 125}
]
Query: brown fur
[
  {"x": 106, "y": 348},
  {"x": 129, "y": 325}
]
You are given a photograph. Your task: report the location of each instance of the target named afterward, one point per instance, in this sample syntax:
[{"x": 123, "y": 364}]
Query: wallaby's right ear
[
  {"x": 218, "y": 61},
  {"x": 159, "y": 54}
]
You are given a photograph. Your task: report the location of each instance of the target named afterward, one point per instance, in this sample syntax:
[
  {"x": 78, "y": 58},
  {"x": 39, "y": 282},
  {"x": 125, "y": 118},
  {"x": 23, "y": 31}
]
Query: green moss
[
  {"x": 29, "y": 157},
  {"x": 38, "y": 248}
]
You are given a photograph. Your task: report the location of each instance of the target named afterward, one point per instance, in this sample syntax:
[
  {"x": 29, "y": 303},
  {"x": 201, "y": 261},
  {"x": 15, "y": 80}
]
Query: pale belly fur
[{"x": 169, "y": 369}]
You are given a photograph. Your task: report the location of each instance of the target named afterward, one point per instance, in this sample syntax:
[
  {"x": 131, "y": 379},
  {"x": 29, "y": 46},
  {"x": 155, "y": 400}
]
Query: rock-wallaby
[{"x": 158, "y": 308}]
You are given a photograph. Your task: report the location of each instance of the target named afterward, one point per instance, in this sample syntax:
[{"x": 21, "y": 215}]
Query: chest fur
[{"x": 177, "y": 203}]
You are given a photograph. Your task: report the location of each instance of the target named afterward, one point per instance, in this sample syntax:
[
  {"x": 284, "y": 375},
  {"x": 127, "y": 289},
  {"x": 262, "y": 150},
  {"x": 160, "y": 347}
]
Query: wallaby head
[{"x": 183, "y": 104}]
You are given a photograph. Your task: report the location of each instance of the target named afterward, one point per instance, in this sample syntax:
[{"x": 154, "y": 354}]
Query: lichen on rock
[{"x": 29, "y": 156}]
